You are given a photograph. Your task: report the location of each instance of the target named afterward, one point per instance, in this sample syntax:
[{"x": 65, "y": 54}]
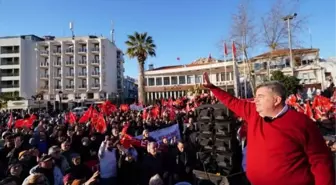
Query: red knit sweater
[{"x": 287, "y": 151}]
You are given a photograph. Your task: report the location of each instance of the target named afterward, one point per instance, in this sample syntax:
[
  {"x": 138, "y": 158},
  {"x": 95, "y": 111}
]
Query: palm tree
[{"x": 140, "y": 46}]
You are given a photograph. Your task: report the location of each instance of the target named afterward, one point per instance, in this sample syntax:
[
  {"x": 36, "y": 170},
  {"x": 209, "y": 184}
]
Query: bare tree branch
[
  {"x": 245, "y": 34},
  {"x": 274, "y": 28}
]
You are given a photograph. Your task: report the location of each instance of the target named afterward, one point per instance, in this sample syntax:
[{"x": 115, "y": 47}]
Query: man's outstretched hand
[{"x": 206, "y": 80}]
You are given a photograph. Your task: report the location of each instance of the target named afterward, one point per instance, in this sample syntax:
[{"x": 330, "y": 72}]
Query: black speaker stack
[{"x": 218, "y": 153}]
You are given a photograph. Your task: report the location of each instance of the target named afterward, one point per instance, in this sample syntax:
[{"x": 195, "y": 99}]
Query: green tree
[
  {"x": 140, "y": 46},
  {"x": 291, "y": 83}
]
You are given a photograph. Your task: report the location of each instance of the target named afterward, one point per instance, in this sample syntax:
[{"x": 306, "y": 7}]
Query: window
[
  {"x": 198, "y": 79},
  {"x": 151, "y": 82},
  {"x": 174, "y": 80},
  {"x": 257, "y": 66},
  {"x": 222, "y": 77},
  {"x": 84, "y": 58},
  {"x": 84, "y": 82},
  {"x": 96, "y": 81},
  {"x": 190, "y": 79},
  {"x": 166, "y": 81},
  {"x": 217, "y": 77},
  {"x": 96, "y": 69},
  {"x": 159, "y": 81},
  {"x": 59, "y": 60},
  {"x": 182, "y": 80},
  {"x": 229, "y": 76},
  {"x": 71, "y": 59},
  {"x": 71, "y": 82},
  {"x": 71, "y": 71},
  {"x": 96, "y": 57},
  {"x": 145, "y": 81}
]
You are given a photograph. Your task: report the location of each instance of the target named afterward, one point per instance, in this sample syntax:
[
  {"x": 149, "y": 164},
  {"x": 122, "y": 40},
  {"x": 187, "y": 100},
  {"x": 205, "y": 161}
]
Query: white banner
[{"x": 169, "y": 133}]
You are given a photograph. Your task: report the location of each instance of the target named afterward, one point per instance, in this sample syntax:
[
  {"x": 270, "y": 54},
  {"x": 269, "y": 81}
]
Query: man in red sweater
[{"x": 284, "y": 147}]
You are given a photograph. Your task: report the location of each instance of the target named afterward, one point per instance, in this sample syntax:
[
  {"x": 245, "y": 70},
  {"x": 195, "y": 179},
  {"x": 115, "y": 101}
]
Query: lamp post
[
  {"x": 60, "y": 93},
  {"x": 288, "y": 18}
]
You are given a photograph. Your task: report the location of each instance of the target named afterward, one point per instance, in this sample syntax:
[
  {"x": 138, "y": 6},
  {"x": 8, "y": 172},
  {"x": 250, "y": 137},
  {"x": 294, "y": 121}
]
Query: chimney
[{"x": 150, "y": 66}]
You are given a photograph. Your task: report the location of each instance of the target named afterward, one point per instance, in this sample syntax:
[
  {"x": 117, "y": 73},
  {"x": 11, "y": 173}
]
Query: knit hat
[{"x": 22, "y": 153}]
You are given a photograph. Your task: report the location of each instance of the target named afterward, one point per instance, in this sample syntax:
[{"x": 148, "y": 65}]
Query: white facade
[
  {"x": 83, "y": 68},
  {"x": 330, "y": 67},
  {"x": 18, "y": 66},
  {"x": 307, "y": 66},
  {"x": 176, "y": 81}
]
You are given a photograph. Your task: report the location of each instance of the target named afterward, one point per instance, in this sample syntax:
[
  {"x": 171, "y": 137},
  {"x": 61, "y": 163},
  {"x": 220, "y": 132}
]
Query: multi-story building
[
  {"x": 83, "y": 68},
  {"x": 18, "y": 66},
  {"x": 175, "y": 81},
  {"x": 306, "y": 66},
  {"x": 130, "y": 88}
]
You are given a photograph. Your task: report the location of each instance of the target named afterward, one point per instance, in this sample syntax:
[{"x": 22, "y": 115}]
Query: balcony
[
  {"x": 10, "y": 74},
  {"x": 69, "y": 63},
  {"x": 69, "y": 51},
  {"x": 57, "y": 63},
  {"x": 83, "y": 86},
  {"x": 82, "y": 50},
  {"x": 44, "y": 52},
  {"x": 82, "y": 74},
  {"x": 9, "y": 62},
  {"x": 57, "y": 51},
  {"x": 95, "y": 86},
  {"x": 9, "y": 85},
  {"x": 69, "y": 86},
  {"x": 44, "y": 64},
  {"x": 44, "y": 76},
  {"x": 69, "y": 75},
  {"x": 57, "y": 87},
  {"x": 95, "y": 73},
  {"x": 44, "y": 87},
  {"x": 95, "y": 49},
  {"x": 95, "y": 62},
  {"x": 82, "y": 62}
]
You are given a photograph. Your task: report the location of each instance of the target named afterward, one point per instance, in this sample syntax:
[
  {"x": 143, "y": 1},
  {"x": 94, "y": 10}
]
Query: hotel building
[
  {"x": 74, "y": 70},
  {"x": 18, "y": 65}
]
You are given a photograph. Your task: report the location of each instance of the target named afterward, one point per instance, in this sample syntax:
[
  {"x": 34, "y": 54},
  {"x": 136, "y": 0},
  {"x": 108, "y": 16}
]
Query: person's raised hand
[{"x": 206, "y": 80}]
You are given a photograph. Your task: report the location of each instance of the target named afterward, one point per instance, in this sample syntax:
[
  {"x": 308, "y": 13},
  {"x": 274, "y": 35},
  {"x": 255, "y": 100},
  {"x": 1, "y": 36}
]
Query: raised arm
[{"x": 240, "y": 107}]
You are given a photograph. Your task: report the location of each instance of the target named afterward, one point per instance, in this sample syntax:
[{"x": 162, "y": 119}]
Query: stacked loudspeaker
[{"x": 218, "y": 148}]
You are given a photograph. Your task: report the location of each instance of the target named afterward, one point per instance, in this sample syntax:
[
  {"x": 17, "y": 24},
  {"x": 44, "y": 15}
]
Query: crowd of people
[{"x": 60, "y": 148}]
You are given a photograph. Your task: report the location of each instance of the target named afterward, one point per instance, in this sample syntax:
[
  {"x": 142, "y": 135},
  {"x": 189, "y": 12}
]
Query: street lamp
[
  {"x": 288, "y": 18},
  {"x": 60, "y": 93}
]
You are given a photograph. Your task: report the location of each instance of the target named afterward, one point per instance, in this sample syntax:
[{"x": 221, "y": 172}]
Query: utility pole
[{"x": 288, "y": 18}]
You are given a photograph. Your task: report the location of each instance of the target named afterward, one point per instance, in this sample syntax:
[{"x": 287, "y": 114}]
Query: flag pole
[
  {"x": 235, "y": 69},
  {"x": 225, "y": 75},
  {"x": 225, "y": 71}
]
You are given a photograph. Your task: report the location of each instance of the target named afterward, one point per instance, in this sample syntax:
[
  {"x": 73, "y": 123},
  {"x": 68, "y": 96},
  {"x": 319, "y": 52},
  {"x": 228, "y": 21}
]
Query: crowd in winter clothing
[{"x": 58, "y": 148}]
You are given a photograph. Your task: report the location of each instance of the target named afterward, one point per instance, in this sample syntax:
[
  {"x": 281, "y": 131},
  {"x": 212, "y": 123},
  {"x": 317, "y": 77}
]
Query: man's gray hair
[
  {"x": 156, "y": 180},
  {"x": 276, "y": 87}
]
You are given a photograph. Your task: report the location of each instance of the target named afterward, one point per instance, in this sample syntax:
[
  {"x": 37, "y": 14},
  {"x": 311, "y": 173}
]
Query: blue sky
[{"x": 187, "y": 29}]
